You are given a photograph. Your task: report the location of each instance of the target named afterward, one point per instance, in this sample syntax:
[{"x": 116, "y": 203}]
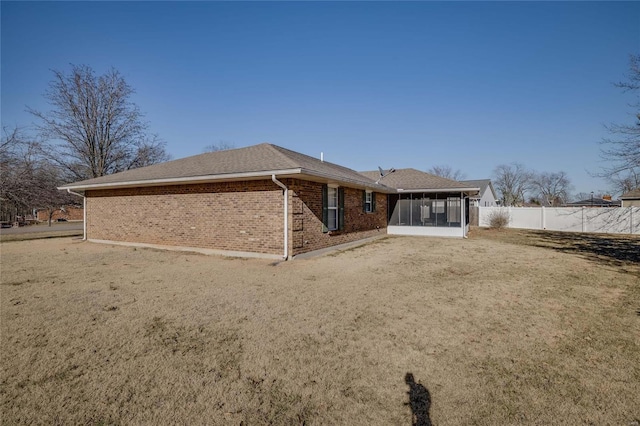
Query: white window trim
[
  {"x": 368, "y": 203},
  {"x": 332, "y": 210}
]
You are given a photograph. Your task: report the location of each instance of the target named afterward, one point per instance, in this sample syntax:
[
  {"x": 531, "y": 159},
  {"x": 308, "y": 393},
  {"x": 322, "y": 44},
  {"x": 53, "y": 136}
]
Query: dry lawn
[{"x": 507, "y": 327}]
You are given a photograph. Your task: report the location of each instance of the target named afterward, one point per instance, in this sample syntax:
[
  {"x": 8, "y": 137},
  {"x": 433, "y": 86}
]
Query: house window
[
  {"x": 332, "y": 207},
  {"x": 369, "y": 202}
]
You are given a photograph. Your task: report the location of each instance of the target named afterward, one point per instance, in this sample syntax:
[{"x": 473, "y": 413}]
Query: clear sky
[{"x": 391, "y": 84}]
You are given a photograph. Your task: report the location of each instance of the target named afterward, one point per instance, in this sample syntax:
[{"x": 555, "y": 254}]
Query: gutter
[
  {"x": 181, "y": 180},
  {"x": 286, "y": 215},
  {"x": 84, "y": 213},
  {"x": 230, "y": 177},
  {"x": 477, "y": 190}
]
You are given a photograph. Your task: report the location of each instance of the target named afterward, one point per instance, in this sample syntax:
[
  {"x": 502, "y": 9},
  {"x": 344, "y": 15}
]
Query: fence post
[
  {"x": 583, "y": 227},
  {"x": 544, "y": 225},
  {"x": 631, "y": 220}
]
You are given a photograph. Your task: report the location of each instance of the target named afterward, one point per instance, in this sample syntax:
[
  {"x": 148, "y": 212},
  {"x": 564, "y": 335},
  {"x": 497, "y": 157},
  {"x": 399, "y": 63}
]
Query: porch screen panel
[
  {"x": 416, "y": 209},
  {"x": 426, "y": 217},
  {"x": 404, "y": 205},
  {"x": 453, "y": 211}
]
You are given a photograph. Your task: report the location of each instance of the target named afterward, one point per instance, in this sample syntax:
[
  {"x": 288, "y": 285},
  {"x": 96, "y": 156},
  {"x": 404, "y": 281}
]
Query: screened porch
[{"x": 420, "y": 213}]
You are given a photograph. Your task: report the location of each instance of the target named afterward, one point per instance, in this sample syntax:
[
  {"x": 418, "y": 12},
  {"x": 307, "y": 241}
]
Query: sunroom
[
  {"x": 443, "y": 214},
  {"x": 426, "y": 204}
]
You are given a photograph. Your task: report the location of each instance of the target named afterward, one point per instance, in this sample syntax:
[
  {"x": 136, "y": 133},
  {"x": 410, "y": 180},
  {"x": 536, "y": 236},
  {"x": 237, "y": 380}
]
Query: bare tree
[
  {"x": 622, "y": 149},
  {"x": 220, "y": 146},
  {"x": 624, "y": 181},
  {"x": 512, "y": 181},
  {"x": 447, "y": 172},
  {"x": 93, "y": 126},
  {"x": 552, "y": 188},
  {"x": 28, "y": 179}
]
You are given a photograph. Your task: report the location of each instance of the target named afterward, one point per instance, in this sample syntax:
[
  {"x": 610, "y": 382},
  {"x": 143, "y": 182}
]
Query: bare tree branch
[
  {"x": 447, "y": 172},
  {"x": 512, "y": 181},
  {"x": 93, "y": 127},
  {"x": 552, "y": 188},
  {"x": 220, "y": 146},
  {"x": 28, "y": 179},
  {"x": 622, "y": 149}
]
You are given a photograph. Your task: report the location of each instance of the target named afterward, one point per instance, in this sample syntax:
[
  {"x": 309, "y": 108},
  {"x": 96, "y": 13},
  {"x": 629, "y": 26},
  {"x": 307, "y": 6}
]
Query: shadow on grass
[
  {"x": 602, "y": 247},
  {"x": 419, "y": 401}
]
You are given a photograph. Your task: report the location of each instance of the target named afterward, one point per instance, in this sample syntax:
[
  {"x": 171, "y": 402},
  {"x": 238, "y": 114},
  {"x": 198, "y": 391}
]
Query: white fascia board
[{"x": 183, "y": 180}]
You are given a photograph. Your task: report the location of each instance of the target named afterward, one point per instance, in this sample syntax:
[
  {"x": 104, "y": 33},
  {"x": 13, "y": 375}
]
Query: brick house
[
  {"x": 260, "y": 200},
  {"x": 70, "y": 213}
]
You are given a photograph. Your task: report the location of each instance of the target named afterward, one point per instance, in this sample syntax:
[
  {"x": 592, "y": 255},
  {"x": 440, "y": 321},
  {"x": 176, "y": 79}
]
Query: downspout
[
  {"x": 84, "y": 213},
  {"x": 463, "y": 214},
  {"x": 286, "y": 215}
]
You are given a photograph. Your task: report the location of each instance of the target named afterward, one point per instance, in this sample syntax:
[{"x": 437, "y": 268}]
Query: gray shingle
[
  {"x": 409, "y": 179},
  {"x": 259, "y": 159}
]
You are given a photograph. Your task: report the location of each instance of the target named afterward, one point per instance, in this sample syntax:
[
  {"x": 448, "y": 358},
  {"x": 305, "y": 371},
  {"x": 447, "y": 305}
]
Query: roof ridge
[
  {"x": 309, "y": 157},
  {"x": 277, "y": 149}
]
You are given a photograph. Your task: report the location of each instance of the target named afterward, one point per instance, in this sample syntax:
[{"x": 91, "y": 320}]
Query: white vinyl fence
[{"x": 612, "y": 220}]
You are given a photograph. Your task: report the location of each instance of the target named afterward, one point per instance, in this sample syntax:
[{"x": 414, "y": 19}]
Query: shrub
[{"x": 499, "y": 219}]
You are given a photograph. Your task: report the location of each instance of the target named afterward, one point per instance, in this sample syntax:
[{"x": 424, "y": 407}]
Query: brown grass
[{"x": 503, "y": 328}]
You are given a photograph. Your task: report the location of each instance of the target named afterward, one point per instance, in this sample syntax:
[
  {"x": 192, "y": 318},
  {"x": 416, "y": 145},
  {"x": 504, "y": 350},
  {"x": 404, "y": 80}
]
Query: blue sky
[{"x": 395, "y": 84}]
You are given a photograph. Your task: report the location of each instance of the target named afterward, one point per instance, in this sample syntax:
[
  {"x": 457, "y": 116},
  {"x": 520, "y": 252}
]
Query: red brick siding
[
  {"x": 305, "y": 214},
  {"x": 237, "y": 216}
]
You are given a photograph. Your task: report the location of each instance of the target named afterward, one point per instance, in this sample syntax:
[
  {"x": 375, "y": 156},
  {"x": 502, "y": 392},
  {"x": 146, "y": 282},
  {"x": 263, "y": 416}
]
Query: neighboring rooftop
[
  {"x": 412, "y": 179},
  {"x": 251, "y": 162},
  {"x": 595, "y": 202},
  {"x": 635, "y": 194},
  {"x": 479, "y": 183}
]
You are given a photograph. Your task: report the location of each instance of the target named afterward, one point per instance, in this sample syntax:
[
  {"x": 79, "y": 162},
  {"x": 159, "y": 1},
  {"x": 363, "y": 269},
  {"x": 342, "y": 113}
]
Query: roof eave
[
  {"x": 185, "y": 180},
  {"x": 476, "y": 190},
  {"x": 296, "y": 172}
]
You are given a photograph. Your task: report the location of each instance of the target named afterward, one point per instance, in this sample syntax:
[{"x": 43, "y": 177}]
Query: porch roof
[{"x": 412, "y": 180}]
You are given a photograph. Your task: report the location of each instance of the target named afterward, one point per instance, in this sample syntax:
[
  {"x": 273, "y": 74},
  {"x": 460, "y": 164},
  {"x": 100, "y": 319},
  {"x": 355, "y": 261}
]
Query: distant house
[
  {"x": 486, "y": 197},
  {"x": 595, "y": 202},
  {"x": 631, "y": 198},
  {"x": 264, "y": 200},
  {"x": 67, "y": 213}
]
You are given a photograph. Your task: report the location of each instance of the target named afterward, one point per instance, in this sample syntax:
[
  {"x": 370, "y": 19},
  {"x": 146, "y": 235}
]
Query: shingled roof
[
  {"x": 480, "y": 183},
  {"x": 631, "y": 195},
  {"x": 412, "y": 179},
  {"x": 253, "y": 162}
]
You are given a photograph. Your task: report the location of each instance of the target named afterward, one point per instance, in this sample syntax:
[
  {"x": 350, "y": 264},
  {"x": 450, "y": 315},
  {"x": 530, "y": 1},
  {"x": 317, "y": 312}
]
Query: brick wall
[
  {"x": 237, "y": 216},
  {"x": 305, "y": 215}
]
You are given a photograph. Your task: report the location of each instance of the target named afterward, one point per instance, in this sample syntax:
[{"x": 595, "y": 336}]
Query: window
[
  {"x": 332, "y": 206},
  {"x": 369, "y": 202}
]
